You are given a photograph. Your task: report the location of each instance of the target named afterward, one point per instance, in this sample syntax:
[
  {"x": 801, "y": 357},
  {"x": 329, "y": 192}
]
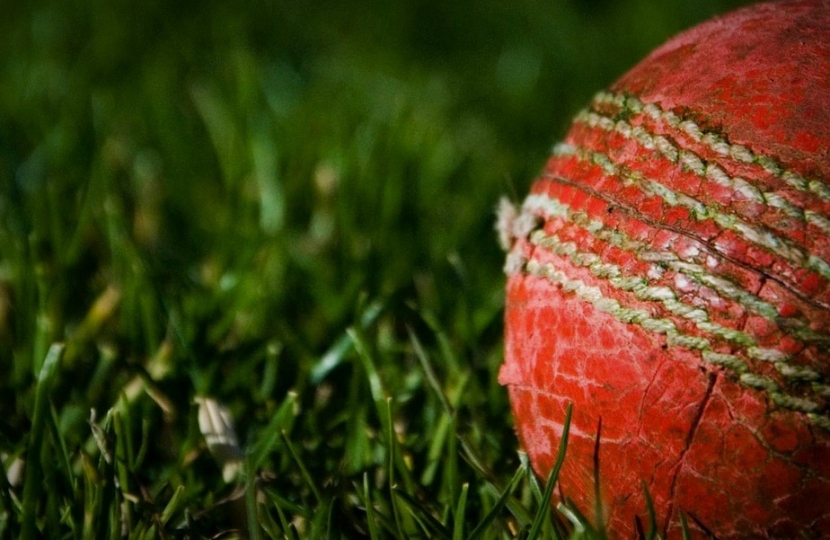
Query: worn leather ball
[{"x": 669, "y": 275}]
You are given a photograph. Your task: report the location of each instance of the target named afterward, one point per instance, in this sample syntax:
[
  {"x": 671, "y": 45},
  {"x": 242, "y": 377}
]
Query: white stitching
[
  {"x": 694, "y": 163},
  {"x": 725, "y": 288},
  {"x": 780, "y": 246},
  {"x": 666, "y": 327},
  {"x": 642, "y": 290},
  {"x": 716, "y": 142}
]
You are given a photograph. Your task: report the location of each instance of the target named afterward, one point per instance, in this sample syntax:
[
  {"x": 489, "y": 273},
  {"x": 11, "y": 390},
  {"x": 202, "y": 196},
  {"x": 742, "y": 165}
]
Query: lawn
[{"x": 277, "y": 215}]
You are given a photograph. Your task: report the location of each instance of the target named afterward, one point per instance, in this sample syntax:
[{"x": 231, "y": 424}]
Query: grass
[{"x": 285, "y": 210}]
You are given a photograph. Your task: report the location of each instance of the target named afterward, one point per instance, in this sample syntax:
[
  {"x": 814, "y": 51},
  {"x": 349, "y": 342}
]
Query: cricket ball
[{"x": 669, "y": 276}]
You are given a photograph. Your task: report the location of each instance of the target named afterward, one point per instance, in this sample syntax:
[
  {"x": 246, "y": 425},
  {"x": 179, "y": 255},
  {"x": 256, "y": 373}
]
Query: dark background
[{"x": 205, "y": 196}]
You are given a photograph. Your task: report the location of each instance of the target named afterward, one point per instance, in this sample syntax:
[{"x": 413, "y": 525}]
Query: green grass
[{"x": 286, "y": 207}]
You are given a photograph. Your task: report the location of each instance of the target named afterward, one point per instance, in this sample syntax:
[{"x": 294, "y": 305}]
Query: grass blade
[
  {"x": 288, "y": 529},
  {"x": 172, "y": 505},
  {"x": 375, "y": 384},
  {"x": 251, "y": 507},
  {"x": 651, "y": 532},
  {"x": 303, "y": 470},
  {"x": 64, "y": 462},
  {"x": 269, "y": 438},
  {"x": 460, "y": 511},
  {"x": 390, "y": 437},
  {"x": 432, "y": 378},
  {"x": 545, "y": 505},
  {"x": 334, "y": 356},
  {"x": 599, "y": 521},
  {"x": 370, "y": 509},
  {"x": 500, "y": 503},
  {"x": 34, "y": 472},
  {"x": 684, "y": 527},
  {"x": 433, "y": 527}
]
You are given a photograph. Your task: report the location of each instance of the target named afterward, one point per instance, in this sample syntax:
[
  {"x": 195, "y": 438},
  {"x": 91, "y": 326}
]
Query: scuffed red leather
[
  {"x": 702, "y": 444},
  {"x": 701, "y": 441}
]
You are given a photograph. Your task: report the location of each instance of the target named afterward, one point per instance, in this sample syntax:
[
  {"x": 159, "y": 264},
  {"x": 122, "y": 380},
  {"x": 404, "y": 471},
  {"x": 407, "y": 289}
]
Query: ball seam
[
  {"x": 674, "y": 337},
  {"x": 715, "y": 141},
  {"x": 699, "y": 211},
  {"x": 725, "y": 288}
]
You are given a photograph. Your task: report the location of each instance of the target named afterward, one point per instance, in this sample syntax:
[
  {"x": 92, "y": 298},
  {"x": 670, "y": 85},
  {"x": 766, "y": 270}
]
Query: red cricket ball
[{"x": 669, "y": 275}]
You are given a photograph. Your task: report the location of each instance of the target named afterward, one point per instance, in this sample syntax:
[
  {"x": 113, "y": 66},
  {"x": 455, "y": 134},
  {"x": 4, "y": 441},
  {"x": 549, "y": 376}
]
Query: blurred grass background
[{"x": 286, "y": 206}]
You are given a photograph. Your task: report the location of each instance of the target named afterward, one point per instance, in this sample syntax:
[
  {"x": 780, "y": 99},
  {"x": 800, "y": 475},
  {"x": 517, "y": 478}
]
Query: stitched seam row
[
  {"x": 715, "y": 141},
  {"x": 692, "y": 162},
  {"x": 675, "y": 338},
  {"x": 726, "y": 289},
  {"x": 700, "y": 211}
]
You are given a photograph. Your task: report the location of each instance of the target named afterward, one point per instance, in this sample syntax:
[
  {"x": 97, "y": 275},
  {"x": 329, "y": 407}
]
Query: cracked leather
[{"x": 704, "y": 172}]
